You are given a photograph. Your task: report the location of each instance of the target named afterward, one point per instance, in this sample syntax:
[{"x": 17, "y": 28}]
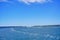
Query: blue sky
[{"x": 31, "y": 12}]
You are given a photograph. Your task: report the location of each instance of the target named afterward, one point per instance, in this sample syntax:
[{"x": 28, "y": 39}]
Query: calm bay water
[{"x": 29, "y": 33}]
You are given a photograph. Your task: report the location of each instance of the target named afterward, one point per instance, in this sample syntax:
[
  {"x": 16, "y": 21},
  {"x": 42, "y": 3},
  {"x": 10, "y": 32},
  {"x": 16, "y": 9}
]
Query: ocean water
[{"x": 29, "y": 33}]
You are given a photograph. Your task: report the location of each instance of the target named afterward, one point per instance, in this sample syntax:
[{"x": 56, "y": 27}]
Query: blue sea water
[{"x": 29, "y": 33}]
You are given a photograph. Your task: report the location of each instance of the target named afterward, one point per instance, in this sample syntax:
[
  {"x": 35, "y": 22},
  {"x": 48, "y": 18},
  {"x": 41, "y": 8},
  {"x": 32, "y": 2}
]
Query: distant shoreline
[{"x": 31, "y": 26}]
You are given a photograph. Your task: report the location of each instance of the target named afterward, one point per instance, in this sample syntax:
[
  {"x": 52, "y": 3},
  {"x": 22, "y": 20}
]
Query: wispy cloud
[
  {"x": 28, "y": 1},
  {"x": 34, "y": 1}
]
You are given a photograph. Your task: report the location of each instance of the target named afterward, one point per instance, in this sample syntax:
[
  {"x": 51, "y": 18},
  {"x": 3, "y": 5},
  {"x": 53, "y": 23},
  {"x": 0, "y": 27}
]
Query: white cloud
[
  {"x": 28, "y": 1},
  {"x": 34, "y": 1}
]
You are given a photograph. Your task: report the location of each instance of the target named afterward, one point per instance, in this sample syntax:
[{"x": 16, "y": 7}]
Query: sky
[{"x": 29, "y": 12}]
